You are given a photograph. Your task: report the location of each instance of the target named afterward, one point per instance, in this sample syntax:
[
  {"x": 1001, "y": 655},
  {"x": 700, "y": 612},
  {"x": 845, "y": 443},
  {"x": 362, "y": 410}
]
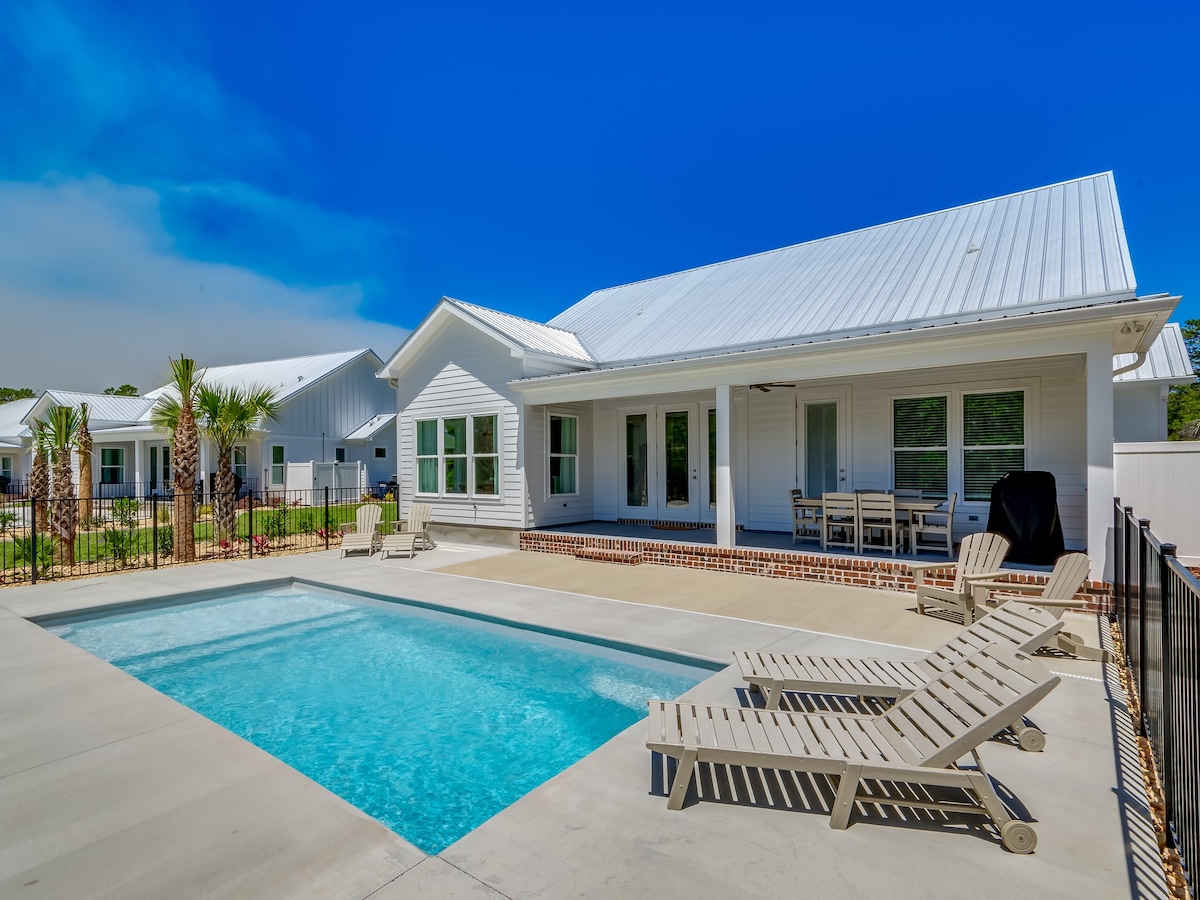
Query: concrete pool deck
[{"x": 110, "y": 789}]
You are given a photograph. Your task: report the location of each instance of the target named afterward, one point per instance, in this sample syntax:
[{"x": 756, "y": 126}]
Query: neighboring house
[
  {"x": 1140, "y": 394},
  {"x": 939, "y": 351},
  {"x": 332, "y": 409},
  {"x": 14, "y": 437}
]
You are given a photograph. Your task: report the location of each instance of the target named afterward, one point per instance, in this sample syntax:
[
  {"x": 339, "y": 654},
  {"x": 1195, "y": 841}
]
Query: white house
[
  {"x": 944, "y": 350},
  {"x": 333, "y": 409},
  {"x": 1142, "y": 384}
]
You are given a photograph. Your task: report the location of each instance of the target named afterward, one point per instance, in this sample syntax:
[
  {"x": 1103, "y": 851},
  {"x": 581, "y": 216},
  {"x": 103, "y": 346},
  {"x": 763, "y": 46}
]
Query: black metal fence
[
  {"x": 1157, "y": 605},
  {"x": 115, "y": 534}
]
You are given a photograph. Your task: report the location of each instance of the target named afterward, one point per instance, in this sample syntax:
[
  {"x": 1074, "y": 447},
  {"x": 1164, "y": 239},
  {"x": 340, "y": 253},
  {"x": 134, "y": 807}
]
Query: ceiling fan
[{"x": 766, "y": 387}]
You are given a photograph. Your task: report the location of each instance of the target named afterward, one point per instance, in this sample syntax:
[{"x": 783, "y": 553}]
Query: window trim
[
  {"x": 469, "y": 457},
  {"x": 381, "y": 452},
  {"x": 561, "y": 414},
  {"x": 954, "y": 392},
  {"x": 233, "y": 463},
  {"x": 119, "y": 466},
  {"x": 271, "y": 464}
]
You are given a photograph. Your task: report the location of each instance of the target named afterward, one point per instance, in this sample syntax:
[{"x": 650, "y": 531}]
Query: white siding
[
  {"x": 772, "y": 462},
  {"x": 463, "y": 372},
  {"x": 544, "y": 509},
  {"x": 1139, "y": 412},
  {"x": 1160, "y": 481}
]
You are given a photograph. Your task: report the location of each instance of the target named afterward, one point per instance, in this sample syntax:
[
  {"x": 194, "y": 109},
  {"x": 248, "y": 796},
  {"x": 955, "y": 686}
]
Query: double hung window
[
  {"x": 112, "y": 465},
  {"x": 564, "y": 454},
  {"x": 458, "y": 456},
  {"x": 968, "y": 439},
  {"x": 239, "y": 462}
]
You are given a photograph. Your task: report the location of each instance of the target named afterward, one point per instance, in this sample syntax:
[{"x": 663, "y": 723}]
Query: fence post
[
  {"x": 33, "y": 538},
  {"x": 1143, "y": 544},
  {"x": 154, "y": 524},
  {"x": 1125, "y": 593},
  {"x": 250, "y": 527},
  {"x": 1167, "y": 553},
  {"x": 326, "y": 517}
]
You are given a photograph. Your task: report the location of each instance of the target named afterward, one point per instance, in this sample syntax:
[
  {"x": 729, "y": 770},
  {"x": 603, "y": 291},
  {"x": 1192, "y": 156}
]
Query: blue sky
[{"x": 314, "y": 177}]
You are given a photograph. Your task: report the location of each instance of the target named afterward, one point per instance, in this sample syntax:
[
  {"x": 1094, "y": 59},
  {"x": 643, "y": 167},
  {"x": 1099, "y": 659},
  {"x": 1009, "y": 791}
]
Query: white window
[
  {"x": 993, "y": 440},
  {"x": 339, "y": 454},
  {"x": 239, "y": 462},
  {"x": 277, "y": 466},
  {"x": 961, "y": 441},
  {"x": 564, "y": 454},
  {"x": 381, "y": 452},
  {"x": 112, "y": 465},
  {"x": 458, "y": 456},
  {"x": 6, "y": 467}
]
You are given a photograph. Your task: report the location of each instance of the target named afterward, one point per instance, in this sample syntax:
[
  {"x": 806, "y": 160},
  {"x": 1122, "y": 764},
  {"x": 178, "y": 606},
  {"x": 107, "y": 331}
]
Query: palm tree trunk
[
  {"x": 186, "y": 456},
  {"x": 39, "y": 488},
  {"x": 225, "y": 503},
  {"x": 64, "y": 513},
  {"x": 85, "y": 474}
]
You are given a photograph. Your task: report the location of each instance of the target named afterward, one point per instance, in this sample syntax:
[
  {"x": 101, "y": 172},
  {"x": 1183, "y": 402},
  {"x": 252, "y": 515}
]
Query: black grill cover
[{"x": 1025, "y": 510}]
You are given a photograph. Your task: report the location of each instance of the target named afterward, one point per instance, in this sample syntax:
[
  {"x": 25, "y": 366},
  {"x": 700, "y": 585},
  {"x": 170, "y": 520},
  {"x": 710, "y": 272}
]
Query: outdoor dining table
[{"x": 908, "y": 505}]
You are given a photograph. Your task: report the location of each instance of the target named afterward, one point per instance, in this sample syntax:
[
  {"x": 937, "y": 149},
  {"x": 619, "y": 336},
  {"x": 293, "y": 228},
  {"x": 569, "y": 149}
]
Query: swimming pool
[{"x": 427, "y": 721}]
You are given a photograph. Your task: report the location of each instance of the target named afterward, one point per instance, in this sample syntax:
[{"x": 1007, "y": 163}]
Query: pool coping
[{"x": 608, "y": 835}]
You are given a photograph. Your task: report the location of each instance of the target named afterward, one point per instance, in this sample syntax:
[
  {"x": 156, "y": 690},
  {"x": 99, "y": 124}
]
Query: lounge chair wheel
[
  {"x": 1018, "y": 837},
  {"x": 1031, "y": 739}
]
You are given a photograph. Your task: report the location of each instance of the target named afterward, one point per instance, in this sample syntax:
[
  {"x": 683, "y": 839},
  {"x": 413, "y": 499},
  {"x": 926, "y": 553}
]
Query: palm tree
[
  {"x": 39, "y": 475},
  {"x": 176, "y": 415},
  {"x": 62, "y": 433},
  {"x": 84, "y": 442},
  {"x": 226, "y": 417}
]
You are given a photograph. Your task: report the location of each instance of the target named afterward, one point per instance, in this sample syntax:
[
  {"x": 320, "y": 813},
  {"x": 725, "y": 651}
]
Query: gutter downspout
[{"x": 1136, "y": 364}]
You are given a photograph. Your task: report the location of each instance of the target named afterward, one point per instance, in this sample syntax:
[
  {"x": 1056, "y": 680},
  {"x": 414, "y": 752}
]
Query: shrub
[
  {"x": 125, "y": 511},
  {"x": 28, "y": 553},
  {"x": 275, "y": 521},
  {"x": 166, "y": 539},
  {"x": 7, "y": 520},
  {"x": 119, "y": 544}
]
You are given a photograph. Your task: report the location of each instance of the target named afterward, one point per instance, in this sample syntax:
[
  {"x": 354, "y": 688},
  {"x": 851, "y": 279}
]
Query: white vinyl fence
[
  {"x": 313, "y": 476},
  {"x": 1161, "y": 481}
]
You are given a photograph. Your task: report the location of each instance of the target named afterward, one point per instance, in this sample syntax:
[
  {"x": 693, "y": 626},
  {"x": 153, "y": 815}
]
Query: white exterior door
[
  {"x": 822, "y": 450},
  {"x": 661, "y": 465}
]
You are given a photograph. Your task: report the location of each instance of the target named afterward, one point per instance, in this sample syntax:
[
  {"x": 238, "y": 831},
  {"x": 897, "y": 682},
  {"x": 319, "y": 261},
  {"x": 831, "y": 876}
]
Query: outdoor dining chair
[
  {"x": 839, "y": 526},
  {"x": 806, "y": 520}
]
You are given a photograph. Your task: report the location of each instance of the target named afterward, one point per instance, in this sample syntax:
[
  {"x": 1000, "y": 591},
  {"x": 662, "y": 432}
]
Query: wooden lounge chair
[
  {"x": 1057, "y": 595},
  {"x": 918, "y": 741},
  {"x": 1024, "y": 626},
  {"x": 979, "y": 558},
  {"x": 417, "y": 523},
  {"x": 364, "y": 535},
  {"x": 402, "y": 542}
]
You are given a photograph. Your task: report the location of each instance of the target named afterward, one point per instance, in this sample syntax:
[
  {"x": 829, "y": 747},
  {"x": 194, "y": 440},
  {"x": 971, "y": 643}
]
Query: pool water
[{"x": 429, "y": 722}]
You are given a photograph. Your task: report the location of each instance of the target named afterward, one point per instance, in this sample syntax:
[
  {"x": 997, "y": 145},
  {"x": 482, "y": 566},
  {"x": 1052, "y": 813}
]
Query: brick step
[{"x": 599, "y": 554}]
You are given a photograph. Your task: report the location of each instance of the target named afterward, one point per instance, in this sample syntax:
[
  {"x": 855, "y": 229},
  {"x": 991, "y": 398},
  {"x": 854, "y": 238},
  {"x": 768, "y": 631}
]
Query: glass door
[
  {"x": 679, "y": 465},
  {"x": 822, "y": 467},
  {"x": 635, "y": 497}
]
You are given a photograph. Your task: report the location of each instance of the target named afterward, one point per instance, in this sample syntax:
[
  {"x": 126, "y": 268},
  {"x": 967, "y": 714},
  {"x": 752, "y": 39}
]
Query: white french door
[{"x": 662, "y": 463}]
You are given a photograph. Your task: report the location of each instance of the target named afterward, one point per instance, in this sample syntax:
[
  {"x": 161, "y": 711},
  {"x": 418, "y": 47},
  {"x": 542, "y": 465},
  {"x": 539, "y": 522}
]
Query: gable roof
[
  {"x": 288, "y": 376},
  {"x": 1055, "y": 247},
  {"x": 101, "y": 407},
  {"x": 12, "y": 414},
  {"x": 526, "y": 333},
  {"x": 1167, "y": 360}
]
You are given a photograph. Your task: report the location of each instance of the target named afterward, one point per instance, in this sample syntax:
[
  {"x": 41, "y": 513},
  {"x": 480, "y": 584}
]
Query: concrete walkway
[{"x": 108, "y": 789}]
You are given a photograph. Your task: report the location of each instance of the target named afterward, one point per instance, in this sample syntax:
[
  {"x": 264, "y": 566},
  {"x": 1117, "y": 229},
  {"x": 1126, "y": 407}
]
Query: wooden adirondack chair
[
  {"x": 918, "y": 741},
  {"x": 364, "y": 535},
  {"x": 417, "y": 522},
  {"x": 1057, "y": 595},
  {"x": 979, "y": 558}
]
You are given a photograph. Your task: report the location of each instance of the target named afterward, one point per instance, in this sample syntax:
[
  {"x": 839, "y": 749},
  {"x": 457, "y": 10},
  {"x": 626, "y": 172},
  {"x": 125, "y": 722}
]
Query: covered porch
[{"x": 713, "y": 447}]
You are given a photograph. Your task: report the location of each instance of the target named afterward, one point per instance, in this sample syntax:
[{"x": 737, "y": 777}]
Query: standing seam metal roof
[
  {"x": 527, "y": 333},
  {"x": 1059, "y": 245},
  {"x": 1167, "y": 360}
]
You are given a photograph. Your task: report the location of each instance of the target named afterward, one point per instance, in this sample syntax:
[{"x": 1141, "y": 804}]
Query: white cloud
[{"x": 94, "y": 292}]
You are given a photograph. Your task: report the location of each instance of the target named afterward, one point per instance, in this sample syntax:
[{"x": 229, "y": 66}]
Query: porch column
[
  {"x": 726, "y": 527},
  {"x": 138, "y": 465},
  {"x": 1100, "y": 486}
]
